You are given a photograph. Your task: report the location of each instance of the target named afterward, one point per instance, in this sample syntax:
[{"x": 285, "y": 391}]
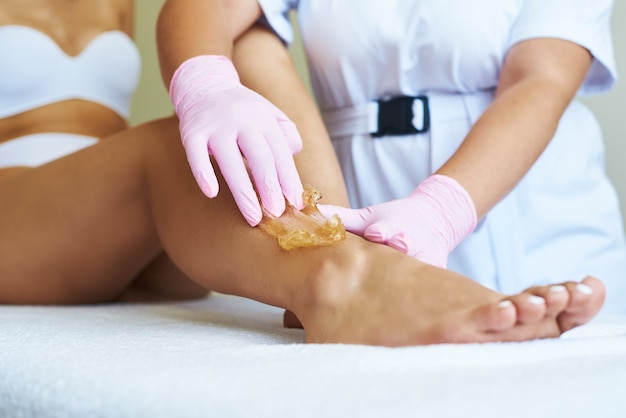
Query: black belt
[{"x": 395, "y": 116}]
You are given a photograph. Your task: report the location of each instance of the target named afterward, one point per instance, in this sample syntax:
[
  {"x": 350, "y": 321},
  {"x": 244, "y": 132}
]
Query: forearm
[
  {"x": 538, "y": 81},
  {"x": 265, "y": 66},
  {"x": 188, "y": 28},
  {"x": 506, "y": 141}
]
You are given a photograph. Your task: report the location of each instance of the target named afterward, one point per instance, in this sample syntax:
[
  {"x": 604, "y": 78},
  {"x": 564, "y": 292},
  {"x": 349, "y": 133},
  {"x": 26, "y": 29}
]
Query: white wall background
[
  {"x": 610, "y": 108},
  {"x": 151, "y": 100}
]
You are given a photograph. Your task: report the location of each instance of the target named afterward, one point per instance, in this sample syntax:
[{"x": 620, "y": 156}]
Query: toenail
[
  {"x": 505, "y": 304},
  {"x": 558, "y": 288},
  {"x": 584, "y": 289},
  {"x": 536, "y": 300}
]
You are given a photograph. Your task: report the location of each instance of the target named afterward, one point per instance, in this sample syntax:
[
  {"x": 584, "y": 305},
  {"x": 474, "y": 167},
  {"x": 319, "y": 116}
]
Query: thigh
[
  {"x": 10, "y": 171},
  {"x": 79, "y": 229}
]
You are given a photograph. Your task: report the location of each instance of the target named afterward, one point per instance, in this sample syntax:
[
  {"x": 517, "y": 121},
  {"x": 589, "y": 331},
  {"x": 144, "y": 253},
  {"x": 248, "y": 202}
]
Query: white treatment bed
[{"x": 230, "y": 357}]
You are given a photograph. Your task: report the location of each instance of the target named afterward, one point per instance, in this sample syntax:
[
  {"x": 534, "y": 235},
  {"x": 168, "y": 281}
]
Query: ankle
[{"x": 331, "y": 286}]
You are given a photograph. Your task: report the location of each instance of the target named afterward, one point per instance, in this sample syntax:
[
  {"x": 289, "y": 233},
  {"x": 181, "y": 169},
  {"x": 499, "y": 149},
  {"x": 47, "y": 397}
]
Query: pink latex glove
[
  {"x": 220, "y": 117},
  {"x": 427, "y": 225}
]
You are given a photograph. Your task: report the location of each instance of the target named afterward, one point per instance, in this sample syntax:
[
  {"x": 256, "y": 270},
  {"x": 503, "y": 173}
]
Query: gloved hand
[
  {"x": 427, "y": 225},
  {"x": 220, "y": 117}
]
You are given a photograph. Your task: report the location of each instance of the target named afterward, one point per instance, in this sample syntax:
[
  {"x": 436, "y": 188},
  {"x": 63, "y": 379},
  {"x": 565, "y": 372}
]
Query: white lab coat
[{"x": 562, "y": 222}]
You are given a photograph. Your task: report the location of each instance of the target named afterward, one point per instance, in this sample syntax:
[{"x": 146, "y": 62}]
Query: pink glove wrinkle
[
  {"x": 427, "y": 225},
  {"x": 219, "y": 116}
]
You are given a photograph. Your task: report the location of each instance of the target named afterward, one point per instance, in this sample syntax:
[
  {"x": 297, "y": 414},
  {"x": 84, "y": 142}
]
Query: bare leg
[
  {"x": 160, "y": 280},
  {"x": 82, "y": 228},
  {"x": 350, "y": 292}
]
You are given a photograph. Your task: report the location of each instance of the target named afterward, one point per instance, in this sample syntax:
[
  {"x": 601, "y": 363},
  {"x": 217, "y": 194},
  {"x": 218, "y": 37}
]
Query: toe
[
  {"x": 585, "y": 300},
  {"x": 486, "y": 323},
  {"x": 556, "y": 298},
  {"x": 530, "y": 308},
  {"x": 495, "y": 317}
]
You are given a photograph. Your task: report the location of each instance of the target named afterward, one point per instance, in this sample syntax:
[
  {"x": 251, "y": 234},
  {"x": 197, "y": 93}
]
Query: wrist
[
  {"x": 215, "y": 72},
  {"x": 453, "y": 204}
]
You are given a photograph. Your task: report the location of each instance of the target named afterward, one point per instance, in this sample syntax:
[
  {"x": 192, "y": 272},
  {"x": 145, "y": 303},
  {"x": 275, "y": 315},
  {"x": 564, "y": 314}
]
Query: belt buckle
[{"x": 395, "y": 116}]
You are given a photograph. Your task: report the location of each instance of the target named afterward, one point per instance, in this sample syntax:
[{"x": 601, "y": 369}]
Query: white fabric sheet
[{"x": 230, "y": 357}]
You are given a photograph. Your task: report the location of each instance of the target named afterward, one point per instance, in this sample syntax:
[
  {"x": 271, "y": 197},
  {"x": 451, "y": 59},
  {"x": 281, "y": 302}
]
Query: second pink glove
[
  {"x": 427, "y": 225},
  {"x": 220, "y": 117}
]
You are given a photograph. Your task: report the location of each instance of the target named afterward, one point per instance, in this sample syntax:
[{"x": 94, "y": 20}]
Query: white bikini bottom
[{"x": 37, "y": 149}]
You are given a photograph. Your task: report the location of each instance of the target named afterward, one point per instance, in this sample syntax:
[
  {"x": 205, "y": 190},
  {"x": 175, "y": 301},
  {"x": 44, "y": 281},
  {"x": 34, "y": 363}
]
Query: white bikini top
[{"x": 35, "y": 71}]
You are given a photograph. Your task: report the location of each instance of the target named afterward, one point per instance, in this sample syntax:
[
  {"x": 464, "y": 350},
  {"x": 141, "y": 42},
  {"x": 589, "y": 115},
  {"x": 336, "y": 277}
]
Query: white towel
[{"x": 230, "y": 357}]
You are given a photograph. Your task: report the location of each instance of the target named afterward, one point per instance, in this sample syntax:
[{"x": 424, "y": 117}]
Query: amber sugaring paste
[{"x": 305, "y": 228}]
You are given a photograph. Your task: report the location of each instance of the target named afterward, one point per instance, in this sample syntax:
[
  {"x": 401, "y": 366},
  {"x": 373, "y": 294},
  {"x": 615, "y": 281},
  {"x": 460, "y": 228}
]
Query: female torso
[{"x": 55, "y": 38}]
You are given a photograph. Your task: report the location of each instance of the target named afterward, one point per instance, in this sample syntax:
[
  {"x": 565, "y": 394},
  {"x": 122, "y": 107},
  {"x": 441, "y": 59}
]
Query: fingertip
[
  {"x": 298, "y": 203},
  {"x": 400, "y": 243},
  {"x": 248, "y": 204},
  {"x": 207, "y": 183},
  {"x": 210, "y": 193},
  {"x": 296, "y": 199},
  {"x": 272, "y": 198},
  {"x": 354, "y": 220},
  {"x": 276, "y": 207},
  {"x": 290, "y": 182},
  {"x": 293, "y": 193},
  {"x": 375, "y": 233},
  {"x": 252, "y": 216},
  {"x": 253, "y": 222}
]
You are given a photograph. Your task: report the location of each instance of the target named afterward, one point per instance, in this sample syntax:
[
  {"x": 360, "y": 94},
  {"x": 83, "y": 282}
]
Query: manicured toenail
[
  {"x": 558, "y": 288},
  {"x": 536, "y": 300},
  {"x": 505, "y": 304},
  {"x": 584, "y": 289}
]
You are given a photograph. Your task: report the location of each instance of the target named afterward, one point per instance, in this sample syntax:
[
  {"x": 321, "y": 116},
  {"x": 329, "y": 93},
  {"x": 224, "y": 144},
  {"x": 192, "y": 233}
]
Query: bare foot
[{"x": 382, "y": 297}]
